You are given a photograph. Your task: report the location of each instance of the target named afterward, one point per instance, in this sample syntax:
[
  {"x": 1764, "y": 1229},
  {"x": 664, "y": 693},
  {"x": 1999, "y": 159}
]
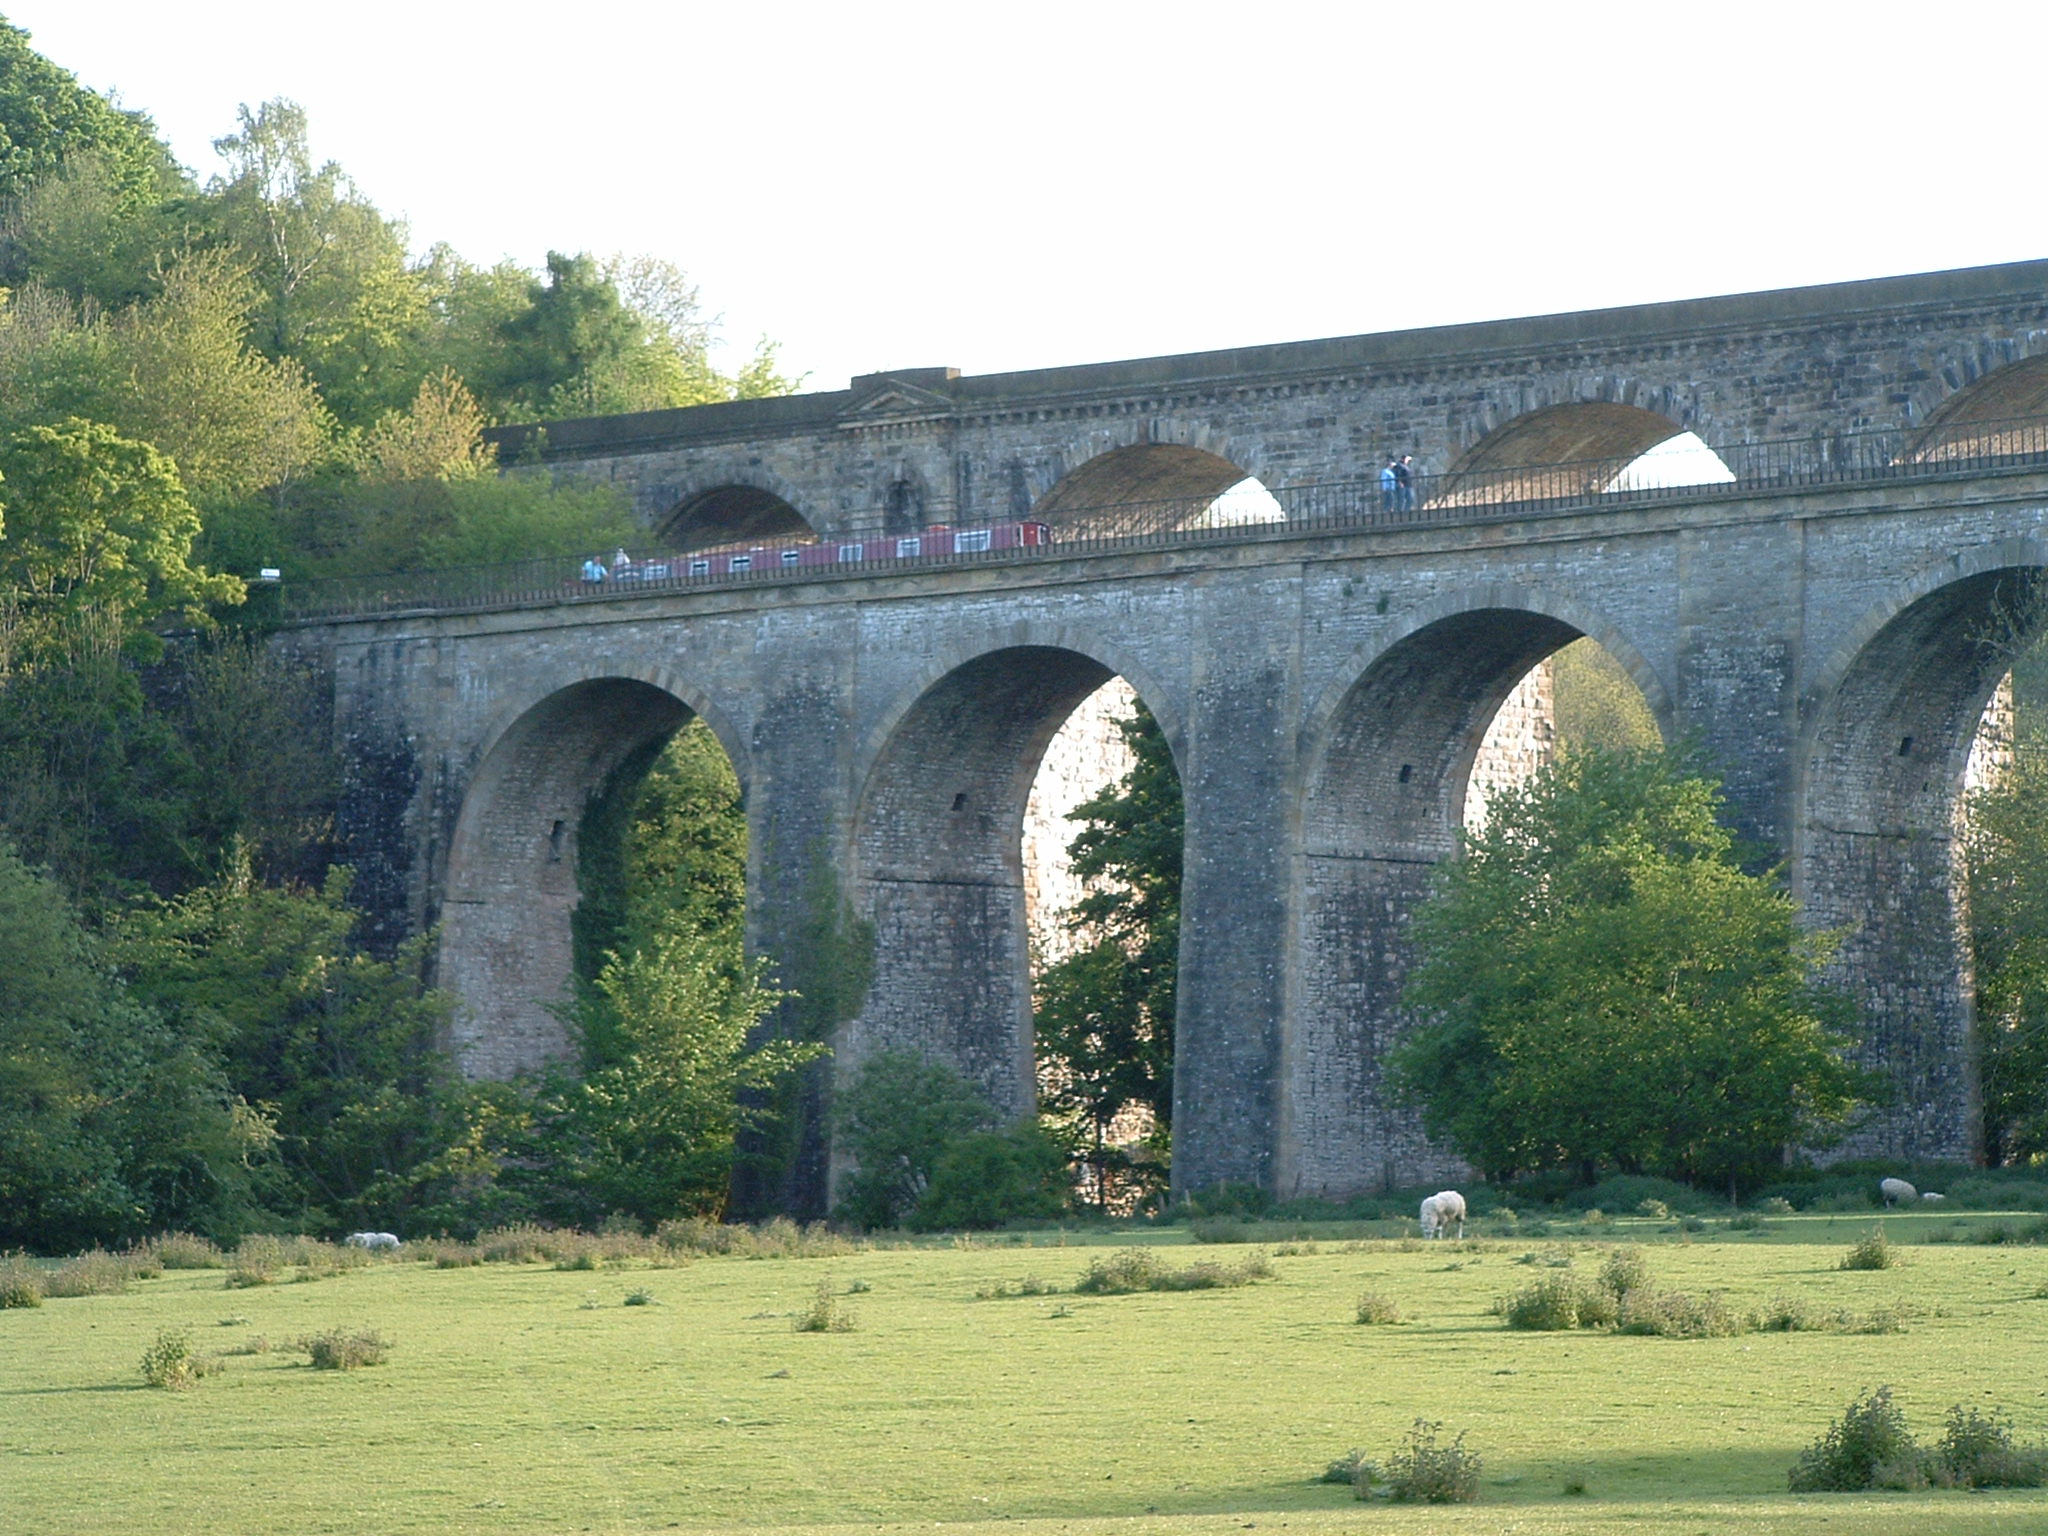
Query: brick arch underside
[
  {"x": 1384, "y": 800},
  {"x": 939, "y": 868},
  {"x": 1996, "y": 412},
  {"x": 734, "y": 514},
  {"x": 1558, "y": 450},
  {"x": 1167, "y": 485},
  {"x": 1877, "y": 857},
  {"x": 505, "y": 945}
]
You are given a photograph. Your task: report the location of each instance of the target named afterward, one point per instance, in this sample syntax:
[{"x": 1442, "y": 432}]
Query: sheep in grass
[
  {"x": 1931, "y": 1195},
  {"x": 374, "y": 1242},
  {"x": 1440, "y": 1210},
  {"x": 1897, "y": 1191}
]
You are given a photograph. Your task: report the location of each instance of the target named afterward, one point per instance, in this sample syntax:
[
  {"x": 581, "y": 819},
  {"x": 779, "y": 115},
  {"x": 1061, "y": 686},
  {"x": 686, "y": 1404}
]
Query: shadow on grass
[{"x": 105, "y": 1386}]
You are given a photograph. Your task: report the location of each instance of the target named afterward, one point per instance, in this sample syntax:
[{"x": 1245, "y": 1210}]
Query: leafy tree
[
  {"x": 1600, "y": 984},
  {"x": 96, "y": 522},
  {"x": 337, "y": 1046},
  {"x": 333, "y": 288},
  {"x": 2006, "y": 861},
  {"x": 990, "y": 1178},
  {"x": 660, "y": 1118},
  {"x": 47, "y": 118},
  {"x": 1597, "y": 704},
  {"x": 112, "y": 1123},
  {"x": 82, "y": 231},
  {"x": 1104, "y": 1015},
  {"x": 897, "y": 1119}
]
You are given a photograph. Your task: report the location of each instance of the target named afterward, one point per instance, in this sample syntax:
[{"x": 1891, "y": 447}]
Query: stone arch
[
  {"x": 1885, "y": 738},
  {"x": 936, "y": 860},
  {"x": 746, "y": 506},
  {"x": 1978, "y": 405},
  {"x": 510, "y": 882},
  {"x": 1567, "y": 449},
  {"x": 1164, "y": 480},
  {"x": 1389, "y": 751}
]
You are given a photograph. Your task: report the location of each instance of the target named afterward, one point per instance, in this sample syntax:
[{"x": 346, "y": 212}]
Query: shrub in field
[
  {"x": 1868, "y": 1447},
  {"x": 95, "y": 1273},
  {"x": 1426, "y": 1472},
  {"x": 1625, "y": 1270},
  {"x": 1676, "y": 1315},
  {"x": 1002, "y": 1290},
  {"x": 1977, "y": 1451},
  {"x": 1557, "y": 1302},
  {"x": 1140, "y": 1269},
  {"x": 1785, "y": 1314},
  {"x": 170, "y": 1363},
  {"x": 1352, "y": 1470},
  {"x": 1375, "y": 1308},
  {"x": 184, "y": 1250},
  {"x": 21, "y": 1283},
  {"x": 523, "y": 1244},
  {"x": 826, "y": 1313},
  {"x": 257, "y": 1260},
  {"x": 641, "y": 1298},
  {"x": 344, "y": 1349},
  {"x": 1874, "y": 1251}
]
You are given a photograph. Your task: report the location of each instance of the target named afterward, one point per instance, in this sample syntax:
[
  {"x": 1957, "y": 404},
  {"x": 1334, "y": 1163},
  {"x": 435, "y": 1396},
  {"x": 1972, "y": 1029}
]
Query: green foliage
[
  {"x": 895, "y": 1120},
  {"x": 112, "y": 1120},
  {"x": 344, "y": 1349},
  {"x": 1977, "y": 1450},
  {"x": 2006, "y": 858},
  {"x": 989, "y": 1178},
  {"x": 1872, "y": 1251},
  {"x": 21, "y": 1283},
  {"x": 1130, "y": 1270},
  {"x": 47, "y": 118},
  {"x": 1868, "y": 1447},
  {"x": 1425, "y": 1471},
  {"x": 826, "y": 1313},
  {"x": 169, "y": 1362},
  {"x": 1595, "y": 704},
  {"x": 1104, "y": 1015},
  {"x": 1373, "y": 1307},
  {"x": 1602, "y": 985},
  {"x": 338, "y": 1045}
]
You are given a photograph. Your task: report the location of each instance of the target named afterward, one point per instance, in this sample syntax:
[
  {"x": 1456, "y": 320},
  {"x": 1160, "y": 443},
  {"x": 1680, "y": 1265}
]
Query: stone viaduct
[{"x": 1829, "y": 624}]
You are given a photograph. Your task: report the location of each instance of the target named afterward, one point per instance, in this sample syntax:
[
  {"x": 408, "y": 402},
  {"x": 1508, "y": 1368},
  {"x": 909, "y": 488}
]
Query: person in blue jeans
[{"x": 1390, "y": 486}]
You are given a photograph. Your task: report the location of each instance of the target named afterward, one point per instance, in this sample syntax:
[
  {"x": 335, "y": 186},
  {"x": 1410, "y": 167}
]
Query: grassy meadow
[{"x": 531, "y": 1398}]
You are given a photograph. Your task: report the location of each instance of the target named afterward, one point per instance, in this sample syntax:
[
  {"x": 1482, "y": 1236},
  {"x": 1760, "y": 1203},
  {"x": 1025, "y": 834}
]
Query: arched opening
[
  {"x": 507, "y": 948},
  {"x": 1408, "y": 754},
  {"x": 1888, "y": 754},
  {"x": 1577, "y": 450},
  {"x": 960, "y": 847},
  {"x": 1575, "y": 698},
  {"x": 1153, "y": 488},
  {"x": 734, "y": 514},
  {"x": 2001, "y": 413}
]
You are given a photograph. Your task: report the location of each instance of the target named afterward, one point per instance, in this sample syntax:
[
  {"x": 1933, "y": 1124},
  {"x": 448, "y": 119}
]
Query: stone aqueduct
[{"x": 1830, "y": 638}]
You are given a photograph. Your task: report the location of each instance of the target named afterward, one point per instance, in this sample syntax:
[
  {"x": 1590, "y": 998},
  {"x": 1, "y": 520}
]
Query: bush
[
  {"x": 1141, "y": 1269},
  {"x": 1625, "y": 1270},
  {"x": 1558, "y": 1302},
  {"x": 96, "y": 1273},
  {"x": 1375, "y": 1308},
  {"x": 986, "y": 1179},
  {"x": 1868, "y": 1447},
  {"x": 1786, "y": 1314},
  {"x": 896, "y": 1119},
  {"x": 826, "y": 1314},
  {"x": 340, "y": 1349},
  {"x": 641, "y": 1298},
  {"x": 1873, "y": 1252},
  {"x": 1977, "y": 1451},
  {"x": 21, "y": 1283},
  {"x": 1675, "y": 1315},
  {"x": 1422, "y": 1471},
  {"x": 1352, "y": 1470},
  {"x": 170, "y": 1363},
  {"x": 184, "y": 1250}
]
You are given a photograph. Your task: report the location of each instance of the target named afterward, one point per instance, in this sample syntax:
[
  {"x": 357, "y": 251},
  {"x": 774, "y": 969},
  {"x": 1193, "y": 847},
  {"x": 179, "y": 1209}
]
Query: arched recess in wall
[
  {"x": 2000, "y": 413},
  {"x": 1153, "y": 488},
  {"x": 1576, "y": 450},
  {"x": 505, "y": 949},
  {"x": 733, "y": 514},
  {"x": 938, "y": 867},
  {"x": 1386, "y": 790},
  {"x": 1884, "y": 757}
]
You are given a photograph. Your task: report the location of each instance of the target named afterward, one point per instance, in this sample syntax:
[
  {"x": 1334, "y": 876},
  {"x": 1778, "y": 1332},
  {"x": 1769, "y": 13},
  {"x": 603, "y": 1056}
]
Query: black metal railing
[{"x": 1472, "y": 494}]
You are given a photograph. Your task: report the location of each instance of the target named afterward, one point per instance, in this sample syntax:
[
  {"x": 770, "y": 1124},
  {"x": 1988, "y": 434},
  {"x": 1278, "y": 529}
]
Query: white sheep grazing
[
  {"x": 1896, "y": 1190},
  {"x": 1933, "y": 1195},
  {"x": 374, "y": 1242},
  {"x": 1440, "y": 1210}
]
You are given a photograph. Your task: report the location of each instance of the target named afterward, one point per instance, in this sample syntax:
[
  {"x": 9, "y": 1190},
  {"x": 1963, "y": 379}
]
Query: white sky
[{"x": 907, "y": 185}]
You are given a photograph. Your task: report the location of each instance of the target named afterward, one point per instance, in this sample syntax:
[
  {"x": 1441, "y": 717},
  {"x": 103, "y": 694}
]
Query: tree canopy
[{"x": 1600, "y": 985}]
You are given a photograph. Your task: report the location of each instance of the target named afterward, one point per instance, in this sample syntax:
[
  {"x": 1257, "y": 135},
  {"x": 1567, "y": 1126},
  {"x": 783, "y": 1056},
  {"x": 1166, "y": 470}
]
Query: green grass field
[{"x": 523, "y": 1398}]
